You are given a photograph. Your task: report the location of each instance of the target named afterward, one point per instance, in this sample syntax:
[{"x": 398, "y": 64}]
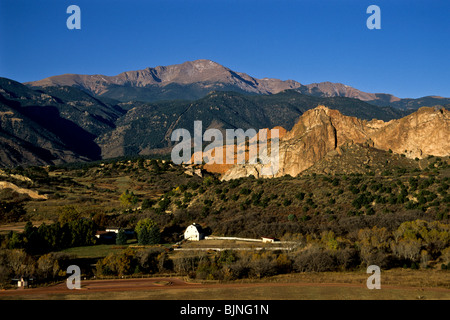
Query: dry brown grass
[
  {"x": 19, "y": 226},
  {"x": 224, "y": 244},
  {"x": 395, "y": 285},
  {"x": 391, "y": 278}
]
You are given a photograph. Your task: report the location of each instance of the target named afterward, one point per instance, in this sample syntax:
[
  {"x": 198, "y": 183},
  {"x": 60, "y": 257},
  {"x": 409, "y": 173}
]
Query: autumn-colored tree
[
  {"x": 128, "y": 199},
  {"x": 119, "y": 264},
  {"x": 374, "y": 245},
  {"x": 68, "y": 214},
  {"x": 408, "y": 249},
  {"x": 328, "y": 238},
  {"x": 412, "y": 236},
  {"x": 20, "y": 263},
  {"x": 100, "y": 219},
  {"x": 51, "y": 265}
]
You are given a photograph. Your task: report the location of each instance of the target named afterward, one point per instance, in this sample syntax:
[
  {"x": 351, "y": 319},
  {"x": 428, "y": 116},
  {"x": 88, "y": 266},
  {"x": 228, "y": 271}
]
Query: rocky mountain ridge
[
  {"x": 194, "y": 79},
  {"x": 322, "y": 131},
  {"x": 208, "y": 75}
]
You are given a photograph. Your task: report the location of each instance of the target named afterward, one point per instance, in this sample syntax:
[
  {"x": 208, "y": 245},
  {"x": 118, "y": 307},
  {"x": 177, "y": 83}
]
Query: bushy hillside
[
  {"x": 148, "y": 127},
  {"x": 396, "y": 218},
  {"x": 177, "y": 196}
]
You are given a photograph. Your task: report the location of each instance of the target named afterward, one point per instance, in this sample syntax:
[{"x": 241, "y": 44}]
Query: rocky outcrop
[
  {"x": 422, "y": 133},
  {"x": 211, "y": 163},
  {"x": 322, "y": 131}
]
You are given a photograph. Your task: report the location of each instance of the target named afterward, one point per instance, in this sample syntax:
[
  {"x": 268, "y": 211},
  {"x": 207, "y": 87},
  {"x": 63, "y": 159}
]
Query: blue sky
[{"x": 307, "y": 41}]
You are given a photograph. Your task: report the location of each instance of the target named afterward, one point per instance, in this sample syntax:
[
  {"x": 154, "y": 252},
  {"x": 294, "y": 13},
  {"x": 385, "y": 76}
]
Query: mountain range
[
  {"x": 55, "y": 125},
  {"x": 194, "y": 79},
  {"x": 70, "y": 117}
]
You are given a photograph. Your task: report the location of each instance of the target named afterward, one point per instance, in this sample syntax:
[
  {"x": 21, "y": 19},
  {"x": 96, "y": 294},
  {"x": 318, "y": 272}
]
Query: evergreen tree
[
  {"x": 147, "y": 232},
  {"x": 121, "y": 238}
]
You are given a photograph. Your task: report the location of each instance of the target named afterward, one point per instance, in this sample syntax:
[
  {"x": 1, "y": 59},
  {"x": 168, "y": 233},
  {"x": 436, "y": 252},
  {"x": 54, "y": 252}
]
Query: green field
[{"x": 97, "y": 251}]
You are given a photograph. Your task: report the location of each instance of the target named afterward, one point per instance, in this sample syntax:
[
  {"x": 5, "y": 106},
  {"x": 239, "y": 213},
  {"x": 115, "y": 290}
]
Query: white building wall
[{"x": 192, "y": 233}]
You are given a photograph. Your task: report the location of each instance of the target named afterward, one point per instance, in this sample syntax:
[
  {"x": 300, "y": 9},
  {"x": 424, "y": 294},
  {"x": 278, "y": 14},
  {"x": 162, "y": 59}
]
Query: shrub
[
  {"x": 127, "y": 199},
  {"x": 152, "y": 260},
  {"x": 262, "y": 265},
  {"x": 305, "y": 217},
  {"x": 147, "y": 204},
  {"x": 119, "y": 264},
  {"x": 68, "y": 214},
  {"x": 235, "y": 197},
  {"x": 314, "y": 259},
  {"x": 186, "y": 264},
  {"x": 300, "y": 196},
  {"x": 347, "y": 258},
  {"x": 370, "y": 211},
  {"x": 335, "y": 182},
  {"x": 354, "y": 190}
]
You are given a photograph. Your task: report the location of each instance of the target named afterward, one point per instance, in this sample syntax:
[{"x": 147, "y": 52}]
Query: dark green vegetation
[
  {"x": 150, "y": 125},
  {"x": 53, "y": 237},
  {"x": 173, "y": 91},
  {"x": 397, "y": 218},
  {"x": 52, "y": 125},
  {"x": 55, "y": 125},
  {"x": 414, "y": 103}
]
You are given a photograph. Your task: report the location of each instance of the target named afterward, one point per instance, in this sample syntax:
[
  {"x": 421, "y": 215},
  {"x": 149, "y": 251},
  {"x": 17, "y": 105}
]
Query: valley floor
[{"x": 396, "y": 284}]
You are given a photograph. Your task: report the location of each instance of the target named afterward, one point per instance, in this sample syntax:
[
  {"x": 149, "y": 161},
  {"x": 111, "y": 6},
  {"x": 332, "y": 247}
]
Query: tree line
[
  {"x": 414, "y": 244},
  {"x": 52, "y": 237}
]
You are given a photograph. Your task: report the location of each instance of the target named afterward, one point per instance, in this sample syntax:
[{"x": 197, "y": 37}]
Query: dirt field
[
  {"x": 19, "y": 226},
  {"x": 292, "y": 288},
  {"x": 232, "y": 244}
]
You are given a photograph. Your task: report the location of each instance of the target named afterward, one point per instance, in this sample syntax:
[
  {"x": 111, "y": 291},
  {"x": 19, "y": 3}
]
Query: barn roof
[{"x": 197, "y": 226}]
